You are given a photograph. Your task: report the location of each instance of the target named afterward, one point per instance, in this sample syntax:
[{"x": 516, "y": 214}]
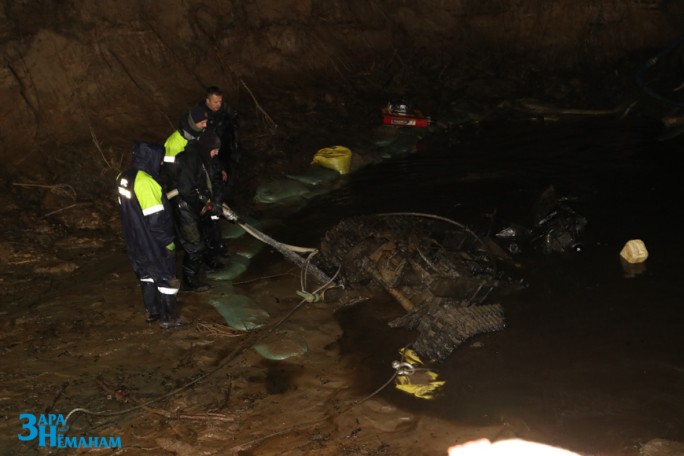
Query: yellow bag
[
  {"x": 335, "y": 157},
  {"x": 422, "y": 385}
]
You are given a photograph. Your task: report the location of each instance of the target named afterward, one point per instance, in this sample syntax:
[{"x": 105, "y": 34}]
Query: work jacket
[
  {"x": 174, "y": 145},
  {"x": 225, "y": 122},
  {"x": 145, "y": 213}
]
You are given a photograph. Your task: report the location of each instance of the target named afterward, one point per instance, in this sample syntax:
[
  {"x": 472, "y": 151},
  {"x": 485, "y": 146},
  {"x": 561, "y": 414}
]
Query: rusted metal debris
[
  {"x": 444, "y": 275},
  {"x": 440, "y": 272}
]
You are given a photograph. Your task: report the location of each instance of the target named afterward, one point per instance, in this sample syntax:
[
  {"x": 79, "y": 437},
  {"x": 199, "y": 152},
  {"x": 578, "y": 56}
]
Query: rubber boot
[
  {"x": 150, "y": 299},
  {"x": 193, "y": 284},
  {"x": 211, "y": 230},
  {"x": 212, "y": 263},
  {"x": 169, "y": 317},
  {"x": 190, "y": 280}
]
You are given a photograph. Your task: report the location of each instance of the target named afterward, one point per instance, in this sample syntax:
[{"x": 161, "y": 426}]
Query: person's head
[
  {"x": 214, "y": 98},
  {"x": 197, "y": 118},
  {"x": 148, "y": 157}
]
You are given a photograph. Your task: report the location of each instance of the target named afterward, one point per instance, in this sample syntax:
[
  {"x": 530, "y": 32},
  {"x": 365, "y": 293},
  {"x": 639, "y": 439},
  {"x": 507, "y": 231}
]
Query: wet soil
[{"x": 83, "y": 348}]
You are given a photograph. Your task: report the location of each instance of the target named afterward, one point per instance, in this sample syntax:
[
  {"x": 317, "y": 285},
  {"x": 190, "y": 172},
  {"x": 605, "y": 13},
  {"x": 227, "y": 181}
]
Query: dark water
[{"x": 592, "y": 357}]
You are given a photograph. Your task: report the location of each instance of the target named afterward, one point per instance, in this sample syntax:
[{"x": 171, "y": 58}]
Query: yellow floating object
[
  {"x": 420, "y": 390},
  {"x": 410, "y": 356},
  {"x": 335, "y": 157},
  {"x": 419, "y": 382},
  {"x": 634, "y": 251}
]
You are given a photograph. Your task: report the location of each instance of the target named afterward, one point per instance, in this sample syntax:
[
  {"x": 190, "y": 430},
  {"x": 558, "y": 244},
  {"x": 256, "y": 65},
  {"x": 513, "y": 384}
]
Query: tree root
[
  {"x": 215, "y": 329},
  {"x": 60, "y": 189},
  {"x": 122, "y": 396}
]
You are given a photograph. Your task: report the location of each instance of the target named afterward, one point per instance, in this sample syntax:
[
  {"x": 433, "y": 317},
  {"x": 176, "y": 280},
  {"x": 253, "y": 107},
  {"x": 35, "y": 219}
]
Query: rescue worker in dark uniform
[
  {"x": 190, "y": 126},
  {"x": 195, "y": 180},
  {"x": 149, "y": 235},
  {"x": 225, "y": 121},
  {"x": 211, "y": 223}
]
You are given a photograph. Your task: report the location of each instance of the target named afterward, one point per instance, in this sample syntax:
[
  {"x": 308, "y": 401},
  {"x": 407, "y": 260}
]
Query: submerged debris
[
  {"x": 557, "y": 227},
  {"x": 440, "y": 272}
]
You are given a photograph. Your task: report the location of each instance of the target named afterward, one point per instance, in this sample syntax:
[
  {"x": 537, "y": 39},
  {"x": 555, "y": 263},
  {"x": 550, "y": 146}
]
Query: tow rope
[{"x": 291, "y": 252}]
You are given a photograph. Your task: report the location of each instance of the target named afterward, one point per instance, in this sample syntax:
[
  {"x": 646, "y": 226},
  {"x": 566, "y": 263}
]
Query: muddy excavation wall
[{"x": 84, "y": 75}]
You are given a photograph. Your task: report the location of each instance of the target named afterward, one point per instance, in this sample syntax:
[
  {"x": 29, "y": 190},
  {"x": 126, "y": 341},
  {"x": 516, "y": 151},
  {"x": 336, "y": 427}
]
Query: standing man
[
  {"x": 194, "y": 203},
  {"x": 224, "y": 119},
  {"x": 190, "y": 126},
  {"x": 225, "y": 122},
  {"x": 148, "y": 232}
]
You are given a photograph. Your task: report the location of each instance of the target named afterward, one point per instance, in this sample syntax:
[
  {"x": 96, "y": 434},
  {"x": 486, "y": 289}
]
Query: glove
[
  {"x": 212, "y": 209},
  {"x": 171, "y": 250}
]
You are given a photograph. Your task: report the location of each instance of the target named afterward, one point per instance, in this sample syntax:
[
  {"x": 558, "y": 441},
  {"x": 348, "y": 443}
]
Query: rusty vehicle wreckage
[{"x": 446, "y": 276}]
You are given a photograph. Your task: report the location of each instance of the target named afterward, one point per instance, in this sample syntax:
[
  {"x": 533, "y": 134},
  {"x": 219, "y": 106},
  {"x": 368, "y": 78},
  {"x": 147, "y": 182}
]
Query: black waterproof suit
[
  {"x": 196, "y": 179},
  {"x": 148, "y": 231},
  {"x": 225, "y": 123},
  {"x": 211, "y": 223}
]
